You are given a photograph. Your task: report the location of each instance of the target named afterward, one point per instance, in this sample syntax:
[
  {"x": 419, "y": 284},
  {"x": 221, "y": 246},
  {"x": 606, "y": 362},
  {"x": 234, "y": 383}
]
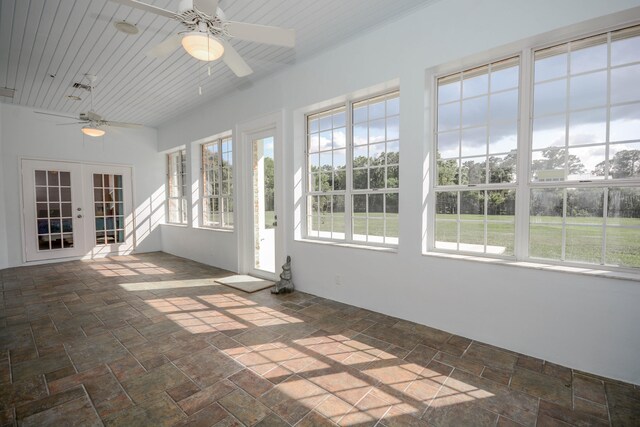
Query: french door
[{"x": 75, "y": 210}]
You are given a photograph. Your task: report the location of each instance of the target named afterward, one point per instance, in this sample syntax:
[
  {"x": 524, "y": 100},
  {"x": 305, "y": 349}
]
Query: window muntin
[
  {"x": 217, "y": 183},
  {"x": 376, "y": 169},
  {"x": 476, "y": 158},
  {"x": 586, "y": 101},
  {"x": 477, "y": 126},
  {"x": 177, "y": 181},
  {"x": 585, "y": 151},
  {"x": 353, "y": 170}
]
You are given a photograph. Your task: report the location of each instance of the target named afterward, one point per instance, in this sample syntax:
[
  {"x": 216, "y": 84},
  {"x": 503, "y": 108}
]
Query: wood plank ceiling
[{"x": 47, "y": 45}]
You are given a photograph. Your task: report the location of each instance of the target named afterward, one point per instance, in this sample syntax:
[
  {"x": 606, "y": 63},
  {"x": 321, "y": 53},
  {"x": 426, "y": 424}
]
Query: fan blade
[
  {"x": 74, "y": 123},
  {"x": 232, "y": 58},
  {"x": 210, "y": 7},
  {"x": 56, "y": 115},
  {"x": 122, "y": 124},
  {"x": 262, "y": 34},
  {"x": 166, "y": 47},
  {"x": 91, "y": 116},
  {"x": 146, "y": 7}
]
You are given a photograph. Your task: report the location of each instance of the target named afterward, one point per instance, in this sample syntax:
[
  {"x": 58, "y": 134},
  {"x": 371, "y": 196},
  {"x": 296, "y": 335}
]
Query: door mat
[{"x": 245, "y": 283}]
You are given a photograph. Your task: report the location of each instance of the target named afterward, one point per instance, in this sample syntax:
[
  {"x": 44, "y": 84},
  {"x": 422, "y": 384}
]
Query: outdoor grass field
[{"x": 583, "y": 235}]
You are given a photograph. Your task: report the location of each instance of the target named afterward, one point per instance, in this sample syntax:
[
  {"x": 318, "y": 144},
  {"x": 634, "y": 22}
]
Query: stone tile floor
[{"x": 150, "y": 339}]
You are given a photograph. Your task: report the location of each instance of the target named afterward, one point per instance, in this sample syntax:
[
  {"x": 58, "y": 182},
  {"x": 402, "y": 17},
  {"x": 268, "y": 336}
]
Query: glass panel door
[
  {"x": 53, "y": 215},
  {"x": 76, "y": 210},
  {"x": 110, "y": 228},
  {"x": 265, "y": 219}
]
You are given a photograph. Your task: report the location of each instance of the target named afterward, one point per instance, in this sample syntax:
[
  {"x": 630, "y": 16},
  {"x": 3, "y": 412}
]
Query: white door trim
[
  {"x": 85, "y": 168},
  {"x": 244, "y": 212}
]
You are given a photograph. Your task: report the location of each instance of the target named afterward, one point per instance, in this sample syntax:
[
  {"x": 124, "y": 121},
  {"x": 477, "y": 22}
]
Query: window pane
[
  {"x": 504, "y": 106},
  {"x": 588, "y": 127},
  {"x": 623, "y": 206},
  {"x": 474, "y": 111},
  {"x": 504, "y": 78},
  {"x": 589, "y": 58},
  {"x": 447, "y": 205},
  {"x": 625, "y": 123},
  {"x": 471, "y": 205},
  {"x": 545, "y": 241},
  {"x": 588, "y": 90},
  {"x": 585, "y": 205},
  {"x": 625, "y": 46},
  {"x": 624, "y": 160},
  {"x": 474, "y": 86},
  {"x": 502, "y": 168},
  {"x": 446, "y": 235},
  {"x": 625, "y": 84},
  {"x": 472, "y": 236},
  {"x": 449, "y": 92},
  {"x": 549, "y": 131},
  {"x": 550, "y": 67},
  {"x": 474, "y": 141},
  {"x": 448, "y": 116},
  {"x": 500, "y": 238},
  {"x": 546, "y": 205},
  {"x": 584, "y": 162},
  {"x": 448, "y": 172},
  {"x": 550, "y": 97},
  {"x": 583, "y": 244},
  {"x": 449, "y": 144},
  {"x": 623, "y": 246},
  {"x": 473, "y": 171}
]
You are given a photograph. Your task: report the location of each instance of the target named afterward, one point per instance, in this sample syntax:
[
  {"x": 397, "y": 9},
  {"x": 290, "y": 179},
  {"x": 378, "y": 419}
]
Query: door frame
[
  {"x": 82, "y": 164},
  {"x": 273, "y": 122}
]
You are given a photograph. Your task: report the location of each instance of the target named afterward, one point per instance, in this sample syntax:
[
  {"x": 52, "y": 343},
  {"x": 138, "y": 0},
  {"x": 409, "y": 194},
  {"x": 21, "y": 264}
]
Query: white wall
[
  {"x": 4, "y": 262},
  {"x": 26, "y": 134},
  {"x": 584, "y": 322}
]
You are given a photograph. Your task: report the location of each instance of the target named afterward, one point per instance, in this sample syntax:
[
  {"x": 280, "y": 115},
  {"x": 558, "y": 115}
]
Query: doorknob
[
  {"x": 275, "y": 221},
  {"x": 79, "y": 216}
]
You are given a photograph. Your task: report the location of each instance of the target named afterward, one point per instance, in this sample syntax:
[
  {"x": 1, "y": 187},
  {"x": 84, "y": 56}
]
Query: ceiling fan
[
  {"x": 208, "y": 30},
  {"x": 92, "y": 121}
]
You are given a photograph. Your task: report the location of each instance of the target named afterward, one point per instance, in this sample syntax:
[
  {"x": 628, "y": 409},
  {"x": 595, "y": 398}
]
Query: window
[
  {"x": 353, "y": 169},
  {"x": 177, "y": 177},
  {"x": 476, "y": 152},
  {"x": 585, "y": 151},
  {"x": 217, "y": 183},
  {"x": 579, "y": 196}
]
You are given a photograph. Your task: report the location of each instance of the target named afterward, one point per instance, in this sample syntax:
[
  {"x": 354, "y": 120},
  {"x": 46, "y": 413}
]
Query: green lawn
[
  {"x": 583, "y": 235},
  {"x": 375, "y": 223}
]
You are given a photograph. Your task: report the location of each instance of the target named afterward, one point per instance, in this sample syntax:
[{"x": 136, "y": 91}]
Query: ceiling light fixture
[
  {"x": 125, "y": 27},
  {"x": 202, "y": 46},
  {"x": 92, "y": 131}
]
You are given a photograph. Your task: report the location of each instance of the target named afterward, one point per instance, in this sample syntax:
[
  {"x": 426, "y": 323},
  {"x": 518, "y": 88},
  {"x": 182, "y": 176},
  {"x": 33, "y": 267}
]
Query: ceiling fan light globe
[
  {"x": 202, "y": 46},
  {"x": 92, "y": 131}
]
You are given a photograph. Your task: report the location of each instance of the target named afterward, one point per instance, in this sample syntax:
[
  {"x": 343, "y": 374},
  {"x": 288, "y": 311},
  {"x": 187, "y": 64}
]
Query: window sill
[
  {"x": 541, "y": 265},
  {"x": 221, "y": 230},
  {"x": 175, "y": 224},
  {"x": 350, "y": 245}
]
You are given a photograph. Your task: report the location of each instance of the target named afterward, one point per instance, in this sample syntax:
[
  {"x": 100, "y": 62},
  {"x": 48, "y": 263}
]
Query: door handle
[
  {"x": 275, "y": 221},
  {"x": 79, "y": 216}
]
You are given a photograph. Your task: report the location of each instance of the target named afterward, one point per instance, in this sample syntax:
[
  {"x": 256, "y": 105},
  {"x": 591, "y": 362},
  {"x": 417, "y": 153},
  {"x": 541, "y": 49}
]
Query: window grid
[
  {"x": 338, "y": 179},
  {"x": 584, "y": 199},
  {"x": 475, "y": 206},
  {"x": 575, "y": 218},
  {"x": 177, "y": 182},
  {"x": 53, "y": 209},
  {"x": 217, "y": 183}
]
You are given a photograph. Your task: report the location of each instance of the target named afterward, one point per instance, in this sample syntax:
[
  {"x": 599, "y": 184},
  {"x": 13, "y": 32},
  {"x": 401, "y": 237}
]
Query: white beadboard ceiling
[{"x": 47, "y": 45}]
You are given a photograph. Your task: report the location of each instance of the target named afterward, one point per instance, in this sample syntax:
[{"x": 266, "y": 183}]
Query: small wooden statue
[{"x": 285, "y": 284}]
